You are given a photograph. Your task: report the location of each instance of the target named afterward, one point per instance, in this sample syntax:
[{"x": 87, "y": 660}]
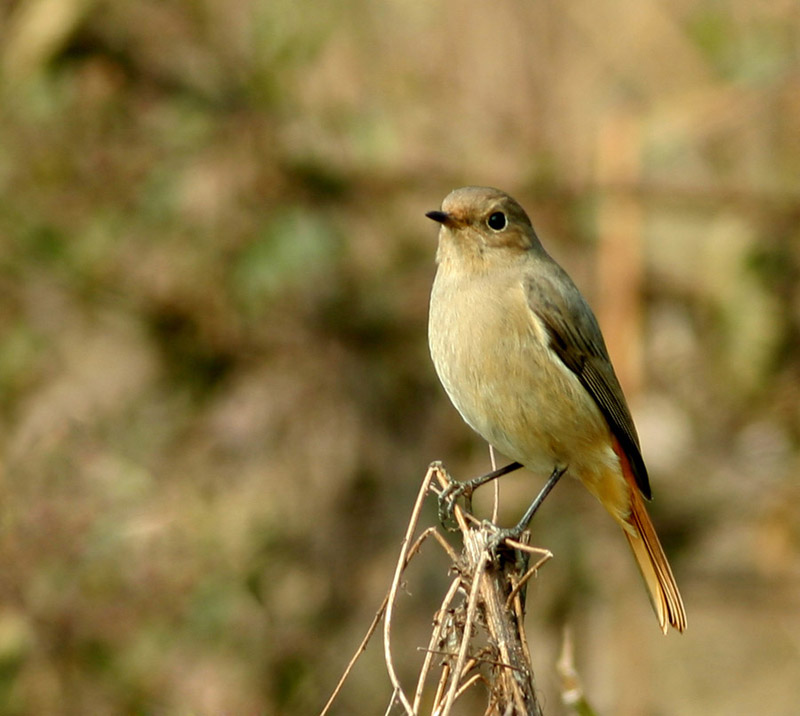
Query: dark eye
[{"x": 497, "y": 221}]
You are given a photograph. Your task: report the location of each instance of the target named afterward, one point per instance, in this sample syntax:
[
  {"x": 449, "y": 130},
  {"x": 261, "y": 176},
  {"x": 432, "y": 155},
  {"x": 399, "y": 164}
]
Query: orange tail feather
[{"x": 650, "y": 558}]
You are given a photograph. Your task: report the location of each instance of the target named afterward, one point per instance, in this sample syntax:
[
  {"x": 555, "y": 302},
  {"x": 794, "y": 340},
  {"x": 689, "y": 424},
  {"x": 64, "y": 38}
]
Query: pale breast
[{"x": 490, "y": 353}]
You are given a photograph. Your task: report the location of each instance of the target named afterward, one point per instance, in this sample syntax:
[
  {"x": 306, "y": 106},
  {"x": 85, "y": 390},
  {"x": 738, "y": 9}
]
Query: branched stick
[
  {"x": 439, "y": 623},
  {"x": 472, "y": 607},
  {"x": 491, "y": 580},
  {"x": 494, "y": 603}
]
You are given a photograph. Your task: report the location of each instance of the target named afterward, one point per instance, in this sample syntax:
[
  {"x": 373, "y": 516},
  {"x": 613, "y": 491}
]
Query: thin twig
[
  {"x": 476, "y": 660},
  {"x": 401, "y": 565},
  {"x": 360, "y": 650},
  {"x": 492, "y": 589},
  {"x": 390, "y": 705},
  {"x": 431, "y": 531},
  {"x": 441, "y": 686},
  {"x": 519, "y": 615},
  {"x": 466, "y": 685},
  {"x": 472, "y": 609},
  {"x": 428, "y": 532},
  {"x": 496, "y": 504},
  {"x": 451, "y": 553},
  {"x": 546, "y": 555},
  {"x": 436, "y": 636}
]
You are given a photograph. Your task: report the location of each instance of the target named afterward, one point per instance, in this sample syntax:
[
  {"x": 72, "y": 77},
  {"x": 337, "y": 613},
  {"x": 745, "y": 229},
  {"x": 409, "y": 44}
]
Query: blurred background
[{"x": 216, "y": 403}]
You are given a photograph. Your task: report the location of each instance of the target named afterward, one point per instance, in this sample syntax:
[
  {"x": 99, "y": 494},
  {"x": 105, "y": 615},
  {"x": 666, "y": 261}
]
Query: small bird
[{"x": 522, "y": 358}]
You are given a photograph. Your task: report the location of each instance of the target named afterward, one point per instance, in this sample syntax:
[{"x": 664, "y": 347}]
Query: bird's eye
[{"x": 497, "y": 221}]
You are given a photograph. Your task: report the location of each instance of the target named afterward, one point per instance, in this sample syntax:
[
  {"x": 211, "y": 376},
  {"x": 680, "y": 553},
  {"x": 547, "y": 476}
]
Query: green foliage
[{"x": 295, "y": 248}]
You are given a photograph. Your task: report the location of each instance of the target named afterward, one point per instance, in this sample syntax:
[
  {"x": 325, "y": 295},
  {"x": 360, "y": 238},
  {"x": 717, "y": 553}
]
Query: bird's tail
[{"x": 650, "y": 557}]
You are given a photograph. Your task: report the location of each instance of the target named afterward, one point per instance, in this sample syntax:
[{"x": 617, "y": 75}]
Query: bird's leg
[
  {"x": 516, "y": 532},
  {"x": 448, "y": 497}
]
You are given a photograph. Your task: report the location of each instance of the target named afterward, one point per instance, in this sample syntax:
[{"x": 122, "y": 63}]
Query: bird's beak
[{"x": 441, "y": 216}]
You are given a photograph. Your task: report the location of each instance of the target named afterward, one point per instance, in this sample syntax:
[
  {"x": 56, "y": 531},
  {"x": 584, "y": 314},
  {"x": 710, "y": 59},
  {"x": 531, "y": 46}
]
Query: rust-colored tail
[
  {"x": 650, "y": 557},
  {"x": 654, "y": 567}
]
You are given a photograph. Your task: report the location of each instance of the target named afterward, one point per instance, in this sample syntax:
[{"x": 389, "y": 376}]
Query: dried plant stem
[
  {"x": 490, "y": 579},
  {"x": 496, "y": 501},
  {"x": 405, "y": 556},
  {"x": 439, "y": 621},
  {"x": 472, "y": 608},
  {"x": 494, "y": 586},
  {"x": 401, "y": 565}
]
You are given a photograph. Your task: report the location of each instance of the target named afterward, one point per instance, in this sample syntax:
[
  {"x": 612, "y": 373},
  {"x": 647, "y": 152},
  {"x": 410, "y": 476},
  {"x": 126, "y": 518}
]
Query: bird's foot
[
  {"x": 456, "y": 489},
  {"x": 448, "y": 498},
  {"x": 499, "y": 535}
]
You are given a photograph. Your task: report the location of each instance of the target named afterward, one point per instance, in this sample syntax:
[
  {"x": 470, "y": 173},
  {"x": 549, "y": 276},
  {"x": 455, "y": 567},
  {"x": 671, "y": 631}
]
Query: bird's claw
[
  {"x": 498, "y": 535},
  {"x": 448, "y": 498}
]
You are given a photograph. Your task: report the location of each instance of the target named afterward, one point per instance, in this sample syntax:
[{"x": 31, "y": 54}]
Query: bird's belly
[
  {"x": 534, "y": 413},
  {"x": 514, "y": 391}
]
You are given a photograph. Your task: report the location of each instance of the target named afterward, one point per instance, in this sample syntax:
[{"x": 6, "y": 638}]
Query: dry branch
[{"x": 478, "y": 637}]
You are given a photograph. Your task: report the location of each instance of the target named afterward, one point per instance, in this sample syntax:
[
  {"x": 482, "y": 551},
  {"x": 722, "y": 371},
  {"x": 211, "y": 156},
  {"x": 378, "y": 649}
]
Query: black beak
[{"x": 441, "y": 216}]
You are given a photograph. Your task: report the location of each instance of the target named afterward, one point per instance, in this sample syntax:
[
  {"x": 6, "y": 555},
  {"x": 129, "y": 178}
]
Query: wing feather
[{"x": 576, "y": 339}]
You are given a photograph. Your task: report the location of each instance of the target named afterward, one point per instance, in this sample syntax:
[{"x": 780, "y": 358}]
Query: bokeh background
[{"x": 216, "y": 404}]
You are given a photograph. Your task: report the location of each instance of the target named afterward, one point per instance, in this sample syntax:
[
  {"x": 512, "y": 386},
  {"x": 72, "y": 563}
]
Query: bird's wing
[{"x": 576, "y": 339}]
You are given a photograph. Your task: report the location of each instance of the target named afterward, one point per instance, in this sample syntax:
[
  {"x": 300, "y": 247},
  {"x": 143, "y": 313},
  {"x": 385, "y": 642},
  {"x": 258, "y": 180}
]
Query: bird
[{"x": 521, "y": 356}]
